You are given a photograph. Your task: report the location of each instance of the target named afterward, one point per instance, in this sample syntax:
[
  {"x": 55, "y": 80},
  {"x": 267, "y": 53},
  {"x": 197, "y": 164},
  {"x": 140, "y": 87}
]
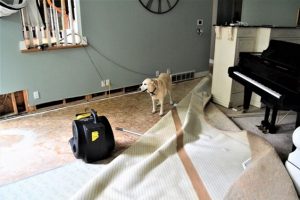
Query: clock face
[{"x": 159, "y": 6}]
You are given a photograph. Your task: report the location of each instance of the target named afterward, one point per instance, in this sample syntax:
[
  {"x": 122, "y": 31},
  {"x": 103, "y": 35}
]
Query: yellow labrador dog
[{"x": 158, "y": 88}]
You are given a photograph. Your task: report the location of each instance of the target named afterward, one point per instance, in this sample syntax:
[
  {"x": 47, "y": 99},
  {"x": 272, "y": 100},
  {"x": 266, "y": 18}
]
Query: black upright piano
[{"x": 274, "y": 75}]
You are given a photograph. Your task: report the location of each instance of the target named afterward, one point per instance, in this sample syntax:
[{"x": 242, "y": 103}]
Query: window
[{"x": 51, "y": 24}]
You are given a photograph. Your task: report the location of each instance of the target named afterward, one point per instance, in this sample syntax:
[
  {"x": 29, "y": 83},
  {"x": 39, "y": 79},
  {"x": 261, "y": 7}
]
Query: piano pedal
[
  {"x": 272, "y": 129},
  {"x": 265, "y": 131},
  {"x": 263, "y": 128},
  {"x": 259, "y": 127},
  {"x": 265, "y": 124}
]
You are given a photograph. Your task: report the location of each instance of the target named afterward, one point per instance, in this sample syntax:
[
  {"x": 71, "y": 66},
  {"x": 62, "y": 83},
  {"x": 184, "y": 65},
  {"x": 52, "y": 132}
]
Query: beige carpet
[
  {"x": 36, "y": 143},
  {"x": 184, "y": 157}
]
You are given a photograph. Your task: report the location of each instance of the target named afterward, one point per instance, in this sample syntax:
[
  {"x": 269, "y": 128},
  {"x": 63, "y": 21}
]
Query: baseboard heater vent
[{"x": 183, "y": 76}]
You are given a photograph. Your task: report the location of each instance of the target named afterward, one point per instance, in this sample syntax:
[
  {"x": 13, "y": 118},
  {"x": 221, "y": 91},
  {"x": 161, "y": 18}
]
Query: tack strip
[{"x": 186, "y": 161}]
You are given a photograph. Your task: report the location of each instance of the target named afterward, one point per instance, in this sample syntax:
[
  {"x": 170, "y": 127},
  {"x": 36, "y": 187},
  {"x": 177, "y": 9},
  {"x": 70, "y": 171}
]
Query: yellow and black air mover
[{"x": 93, "y": 138}]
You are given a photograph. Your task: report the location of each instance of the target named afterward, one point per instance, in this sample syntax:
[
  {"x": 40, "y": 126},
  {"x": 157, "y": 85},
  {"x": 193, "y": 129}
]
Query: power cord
[
  {"x": 114, "y": 62},
  {"x": 93, "y": 63},
  {"x": 106, "y": 57}
]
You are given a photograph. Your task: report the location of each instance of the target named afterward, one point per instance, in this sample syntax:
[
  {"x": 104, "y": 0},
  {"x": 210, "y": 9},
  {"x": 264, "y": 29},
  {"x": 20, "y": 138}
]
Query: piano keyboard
[{"x": 261, "y": 86}]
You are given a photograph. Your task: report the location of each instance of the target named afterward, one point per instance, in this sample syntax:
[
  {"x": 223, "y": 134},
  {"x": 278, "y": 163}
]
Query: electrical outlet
[
  {"x": 168, "y": 71},
  {"x": 157, "y": 73},
  {"x": 36, "y": 95},
  {"x": 107, "y": 82},
  {"x": 102, "y": 83}
]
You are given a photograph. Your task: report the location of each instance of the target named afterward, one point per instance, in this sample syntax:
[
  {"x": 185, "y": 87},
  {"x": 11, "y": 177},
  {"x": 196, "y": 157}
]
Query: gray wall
[
  {"x": 124, "y": 32},
  {"x": 271, "y": 12}
]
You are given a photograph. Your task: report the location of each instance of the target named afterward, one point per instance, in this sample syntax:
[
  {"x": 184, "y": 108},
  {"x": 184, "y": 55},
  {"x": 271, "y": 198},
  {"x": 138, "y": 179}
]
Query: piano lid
[
  {"x": 278, "y": 67},
  {"x": 285, "y": 54}
]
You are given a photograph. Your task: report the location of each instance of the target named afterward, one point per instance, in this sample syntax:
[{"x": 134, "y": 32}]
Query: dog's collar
[{"x": 152, "y": 93}]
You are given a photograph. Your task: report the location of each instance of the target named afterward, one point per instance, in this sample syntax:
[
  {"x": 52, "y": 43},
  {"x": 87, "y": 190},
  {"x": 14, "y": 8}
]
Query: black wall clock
[{"x": 159, "y": 6}]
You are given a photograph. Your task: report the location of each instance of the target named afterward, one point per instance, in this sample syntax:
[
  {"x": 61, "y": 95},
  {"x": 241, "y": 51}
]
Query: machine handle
[{"x": 95, "y": 116}]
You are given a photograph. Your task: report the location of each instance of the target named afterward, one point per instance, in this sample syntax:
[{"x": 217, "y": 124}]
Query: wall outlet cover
[
  {"x": 102, "y": 83},
  {"x": 168, "y": 71},
  {"x": 36, "y": 95},
  {"x": 157, "y": 73}
]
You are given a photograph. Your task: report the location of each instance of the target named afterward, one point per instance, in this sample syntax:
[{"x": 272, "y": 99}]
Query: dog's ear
[{"x": 155, "y": 82}]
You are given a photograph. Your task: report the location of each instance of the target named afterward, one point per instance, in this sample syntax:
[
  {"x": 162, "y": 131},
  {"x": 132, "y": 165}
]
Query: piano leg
[
  {"x": 298, "y": 120},
  {"x": 247, "y": 98},
  {"x": 272, "y": 128},
  {"x": 265, "y": 124},
  {"x": 296, "y": 126}
]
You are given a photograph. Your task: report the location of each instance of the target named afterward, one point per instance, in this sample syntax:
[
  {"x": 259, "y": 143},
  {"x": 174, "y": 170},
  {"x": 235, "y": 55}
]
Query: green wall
[
  {"x": 126, "y": 35},
  {"x": 270, "y": 12}
]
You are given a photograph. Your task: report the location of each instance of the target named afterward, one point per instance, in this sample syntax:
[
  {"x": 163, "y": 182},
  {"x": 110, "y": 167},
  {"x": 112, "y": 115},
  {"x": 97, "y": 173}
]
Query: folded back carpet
[{"x": 184, "y": 157}]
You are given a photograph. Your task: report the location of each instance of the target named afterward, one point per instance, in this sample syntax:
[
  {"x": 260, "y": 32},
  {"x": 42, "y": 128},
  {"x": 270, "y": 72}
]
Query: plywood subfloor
[{"x": 36, "y": 143}]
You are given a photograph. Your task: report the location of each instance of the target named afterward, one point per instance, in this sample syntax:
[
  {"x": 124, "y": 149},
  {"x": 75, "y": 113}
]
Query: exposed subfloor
[{"x": 38, "y": 142}]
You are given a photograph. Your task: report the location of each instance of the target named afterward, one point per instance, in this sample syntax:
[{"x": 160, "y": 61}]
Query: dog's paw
[
  {"x": 153, "y": 111},
  {"x": 161, "y": 114}
]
